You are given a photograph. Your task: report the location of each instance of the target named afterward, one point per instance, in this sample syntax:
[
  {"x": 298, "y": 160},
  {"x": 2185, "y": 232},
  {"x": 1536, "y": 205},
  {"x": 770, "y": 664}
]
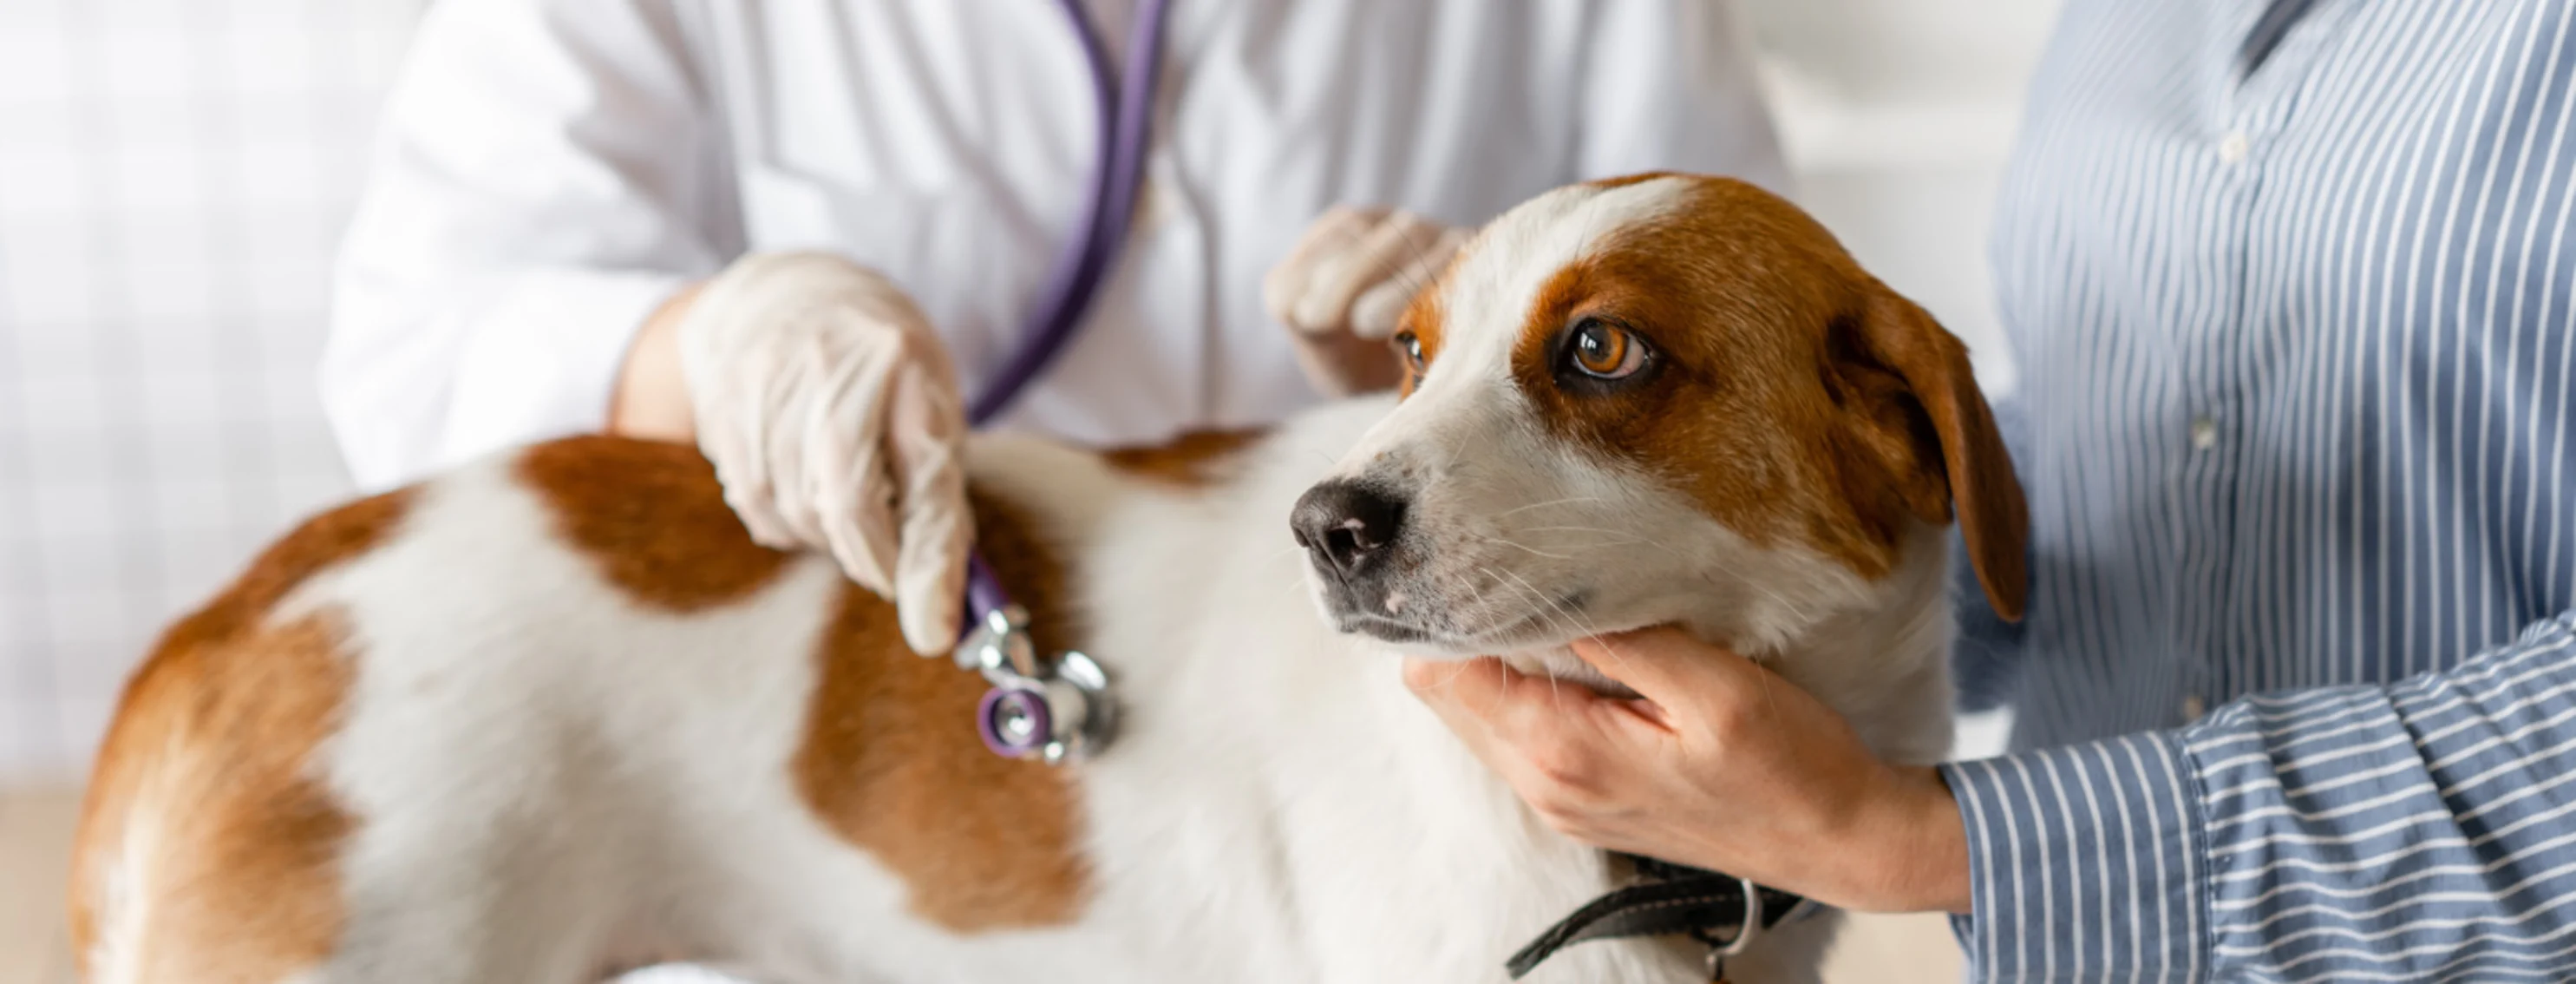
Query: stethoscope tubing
[{"x": 1125, "y": 106}]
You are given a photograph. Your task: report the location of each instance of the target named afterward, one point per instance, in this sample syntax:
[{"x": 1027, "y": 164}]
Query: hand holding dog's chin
[{"x": 1722, "y": 764}]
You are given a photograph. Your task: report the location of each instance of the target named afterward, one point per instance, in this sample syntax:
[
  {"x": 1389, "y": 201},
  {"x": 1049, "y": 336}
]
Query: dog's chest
[{"x": 1329, "y": 829}]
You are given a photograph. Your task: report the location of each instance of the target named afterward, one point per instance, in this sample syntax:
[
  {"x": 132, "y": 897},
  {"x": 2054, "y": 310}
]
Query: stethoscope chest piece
[{"x": 1054, "y": 710}]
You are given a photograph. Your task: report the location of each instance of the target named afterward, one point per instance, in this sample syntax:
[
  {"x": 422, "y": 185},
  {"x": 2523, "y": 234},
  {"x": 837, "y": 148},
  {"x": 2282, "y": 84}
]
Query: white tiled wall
[{"x": 173, "y": 174}]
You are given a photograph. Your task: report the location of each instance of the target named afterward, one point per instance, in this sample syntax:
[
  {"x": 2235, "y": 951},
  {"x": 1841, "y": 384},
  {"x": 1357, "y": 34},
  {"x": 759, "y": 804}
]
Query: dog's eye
[
  {"x": 1603, "y": 350},
  {"x": 1411, "y": 345}
]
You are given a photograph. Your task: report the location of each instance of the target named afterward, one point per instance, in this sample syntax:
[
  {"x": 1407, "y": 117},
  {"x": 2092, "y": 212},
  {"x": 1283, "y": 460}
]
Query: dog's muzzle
[{"x": 1353, "y": 534}]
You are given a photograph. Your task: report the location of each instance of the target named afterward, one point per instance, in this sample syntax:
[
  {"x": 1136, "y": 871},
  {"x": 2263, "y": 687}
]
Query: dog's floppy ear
[{"x": 1974, "y": 470}]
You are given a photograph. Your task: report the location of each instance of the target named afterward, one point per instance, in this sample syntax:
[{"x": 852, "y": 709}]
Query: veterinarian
[
  {"x": 2294, "y": 284},
  {"x": 577, "y": 210}
]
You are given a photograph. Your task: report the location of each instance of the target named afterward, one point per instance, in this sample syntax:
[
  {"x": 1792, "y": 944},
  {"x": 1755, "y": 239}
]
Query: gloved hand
[
  {"x": 833, "y": 417},
  {"x": 1344, "y": 287}
]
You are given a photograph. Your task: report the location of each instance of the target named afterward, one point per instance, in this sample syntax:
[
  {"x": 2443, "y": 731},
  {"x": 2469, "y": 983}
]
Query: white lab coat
[{"x": 550, "y": 170}]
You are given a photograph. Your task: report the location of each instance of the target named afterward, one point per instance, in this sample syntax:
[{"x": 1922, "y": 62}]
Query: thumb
[
  {"x": 1497, "y": 699},
  {"x": 1440, "y": 681},
  {"x": 1476, "y": 697},
  {"x": 1667, "y": 666}
]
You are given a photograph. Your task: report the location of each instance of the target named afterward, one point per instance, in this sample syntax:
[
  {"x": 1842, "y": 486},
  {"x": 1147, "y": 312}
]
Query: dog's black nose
[{"x": 1343, "y": 523}]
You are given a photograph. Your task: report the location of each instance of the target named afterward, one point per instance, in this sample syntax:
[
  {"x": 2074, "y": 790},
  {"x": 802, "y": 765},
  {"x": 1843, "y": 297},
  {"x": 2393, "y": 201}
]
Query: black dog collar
[{"x": 1722, "y": 911}]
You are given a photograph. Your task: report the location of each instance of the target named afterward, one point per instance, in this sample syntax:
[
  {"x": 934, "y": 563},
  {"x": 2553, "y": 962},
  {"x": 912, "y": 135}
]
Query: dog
[{"x": 554, "y": 714}]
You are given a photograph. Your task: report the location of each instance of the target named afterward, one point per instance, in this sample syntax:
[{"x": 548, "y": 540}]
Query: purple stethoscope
[{"x": 1058, "y": 708}]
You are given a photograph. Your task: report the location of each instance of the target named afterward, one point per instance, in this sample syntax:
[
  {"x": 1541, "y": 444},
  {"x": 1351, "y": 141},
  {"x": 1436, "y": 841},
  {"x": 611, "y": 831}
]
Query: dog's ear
[{"x": 1936, "y": 437}]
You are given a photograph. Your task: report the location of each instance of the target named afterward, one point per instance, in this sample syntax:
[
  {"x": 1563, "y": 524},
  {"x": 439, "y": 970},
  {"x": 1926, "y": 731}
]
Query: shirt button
[
  {"x": 2232, "y": 147},
  {"x": 2193, "y": 707},
  {"x": 2204, "y": 434}
]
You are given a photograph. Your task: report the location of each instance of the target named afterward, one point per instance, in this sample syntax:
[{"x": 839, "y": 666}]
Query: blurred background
[{"x": 173, "y": 177}]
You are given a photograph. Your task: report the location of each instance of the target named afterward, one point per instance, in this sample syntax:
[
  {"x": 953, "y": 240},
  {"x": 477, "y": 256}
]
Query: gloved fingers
[
  {"x": 831, "y": 412},
  {"x": 1284, "y": 290},
  {"x": 730, "y": 440},
  {"x": 1375, "y": 258},
  {"x": 856, "y": 530},
  {"x": 729, "y": 432},
  {"x": 932, "y": 609},
  {"x": 757, "y": 507},
  {"x": 747, "y": 408},
  {"x": 800, "y": 426},
  {"x": 1380, "y": 308},
  {"x": 854, "y": 494},
  {"x": 925, "y": 430}
]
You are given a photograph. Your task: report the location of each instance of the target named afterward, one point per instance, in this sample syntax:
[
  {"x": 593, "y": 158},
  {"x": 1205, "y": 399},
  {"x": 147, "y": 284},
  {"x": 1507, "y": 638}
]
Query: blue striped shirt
[{"x": 2293, "y": 283}]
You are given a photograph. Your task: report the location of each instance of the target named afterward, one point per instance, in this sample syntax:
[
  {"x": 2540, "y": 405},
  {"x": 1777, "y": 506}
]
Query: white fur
[
  {"x": 551, "y": 778},
  {"x": 125, "y": 910}
]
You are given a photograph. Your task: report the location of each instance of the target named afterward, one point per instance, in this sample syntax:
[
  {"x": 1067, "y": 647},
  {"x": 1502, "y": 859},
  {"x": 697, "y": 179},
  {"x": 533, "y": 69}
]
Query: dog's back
[
  {"x": 572, "y": 663},
  {"x": 204, "y": 792}
]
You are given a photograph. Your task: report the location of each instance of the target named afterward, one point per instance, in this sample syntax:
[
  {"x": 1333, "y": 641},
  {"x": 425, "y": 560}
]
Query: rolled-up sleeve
[
  {"x": 2420, "y": 831},
  {"x": 544, "y": 178}
]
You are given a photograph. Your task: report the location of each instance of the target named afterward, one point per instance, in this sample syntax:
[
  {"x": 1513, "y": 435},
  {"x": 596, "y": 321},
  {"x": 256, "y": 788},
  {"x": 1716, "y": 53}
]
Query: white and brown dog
[{"x": 555, "y": 714}]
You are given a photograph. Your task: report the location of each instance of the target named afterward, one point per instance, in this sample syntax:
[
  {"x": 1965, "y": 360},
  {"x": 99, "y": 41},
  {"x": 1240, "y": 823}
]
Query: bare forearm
[
  {"x": 1921, "y": 861},
  {"x": 652, "y": 398}
]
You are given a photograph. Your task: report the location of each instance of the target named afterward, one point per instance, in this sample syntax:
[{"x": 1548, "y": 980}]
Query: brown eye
[
  {"x": 1604, "y": 351},
  {"x": 1411, "y": 345}
]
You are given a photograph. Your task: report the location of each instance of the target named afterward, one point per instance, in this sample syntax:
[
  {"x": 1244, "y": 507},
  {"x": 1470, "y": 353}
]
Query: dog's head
[{"x": 1661, "y": 399}]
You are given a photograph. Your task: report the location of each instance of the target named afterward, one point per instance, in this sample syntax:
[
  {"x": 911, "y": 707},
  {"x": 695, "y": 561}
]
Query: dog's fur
[{"x": 553, "y": 714}]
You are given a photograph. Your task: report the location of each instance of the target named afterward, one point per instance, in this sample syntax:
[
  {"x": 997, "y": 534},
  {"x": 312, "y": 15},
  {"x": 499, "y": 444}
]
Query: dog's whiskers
[
  {"x": 1563, "y": 618},
  {"x": 1517, "y": 545},
  {"x": 1571, "y": 619},
  {"x": 1543, "y": 505}
]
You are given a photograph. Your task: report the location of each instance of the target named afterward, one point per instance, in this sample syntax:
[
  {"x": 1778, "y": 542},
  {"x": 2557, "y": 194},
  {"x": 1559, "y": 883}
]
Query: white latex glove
[
  {"x": 1346, "y": 284},
  {"x": 833, "y": 417}
]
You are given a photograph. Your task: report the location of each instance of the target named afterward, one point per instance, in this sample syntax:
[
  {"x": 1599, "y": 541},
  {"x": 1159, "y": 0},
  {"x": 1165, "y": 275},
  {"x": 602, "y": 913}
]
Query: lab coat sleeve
[
  {"x": 2411, "y": 832},
  {"x": 545, "y": 176},
  {"x": 1670, "y": 86}
]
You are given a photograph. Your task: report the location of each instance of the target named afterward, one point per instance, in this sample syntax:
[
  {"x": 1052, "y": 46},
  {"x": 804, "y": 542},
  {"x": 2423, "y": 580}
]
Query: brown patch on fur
[
  {"x": 892, "y": 764},
  {"x": 213, "y": 742},
  {"x": 1796, "y": 397},
  {"x": 652, "y": 518},
  {"x": 1625, "y": 180},
  {"x": 1193, "y": 460},
  {"x": 1428, "y": 319}
]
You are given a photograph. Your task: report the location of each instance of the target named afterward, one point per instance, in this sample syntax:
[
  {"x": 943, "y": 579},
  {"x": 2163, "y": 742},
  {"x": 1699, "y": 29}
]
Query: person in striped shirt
[{"x": 2293, "y": 286}]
